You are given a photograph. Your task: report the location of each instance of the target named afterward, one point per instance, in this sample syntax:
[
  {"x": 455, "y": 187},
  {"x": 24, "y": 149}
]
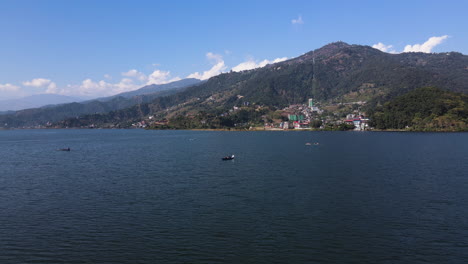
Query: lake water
[{"x": 136, "y": 196}]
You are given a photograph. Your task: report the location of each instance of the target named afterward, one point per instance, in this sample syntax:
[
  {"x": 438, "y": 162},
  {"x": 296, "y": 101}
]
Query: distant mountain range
[
  {"x": 40, "y": 116},
  {"x": 35, "y": 101},
  {"x": 337, "y": 72}
]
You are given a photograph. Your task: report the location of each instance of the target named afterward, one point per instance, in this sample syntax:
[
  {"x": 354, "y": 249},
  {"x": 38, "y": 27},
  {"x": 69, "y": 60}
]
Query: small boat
[
  {"x": 64, "y": 149},
  {"x": 308, "y": 144},
  {"x": 228, "y": 157}
]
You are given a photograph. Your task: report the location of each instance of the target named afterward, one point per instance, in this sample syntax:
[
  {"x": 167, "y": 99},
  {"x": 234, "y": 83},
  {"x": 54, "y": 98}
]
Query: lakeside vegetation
[{"x": 424, "y": 109}]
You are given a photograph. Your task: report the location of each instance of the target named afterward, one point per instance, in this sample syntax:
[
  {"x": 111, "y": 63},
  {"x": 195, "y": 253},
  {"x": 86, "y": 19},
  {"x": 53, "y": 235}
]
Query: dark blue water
[{"x": 135, "y": 196}]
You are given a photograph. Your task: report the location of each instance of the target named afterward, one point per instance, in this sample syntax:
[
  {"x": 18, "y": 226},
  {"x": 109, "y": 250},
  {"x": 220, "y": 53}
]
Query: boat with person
[
  {"x": 228, "y": 157},
  {"x": 64, "y": 149}
]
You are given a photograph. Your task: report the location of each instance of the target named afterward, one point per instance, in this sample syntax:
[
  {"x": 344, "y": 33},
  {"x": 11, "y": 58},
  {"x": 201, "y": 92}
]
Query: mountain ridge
[
  {"x": 36, "y": 101},
  {"x": 336, "y": 72},
  {"x": 32, "y": 117}
]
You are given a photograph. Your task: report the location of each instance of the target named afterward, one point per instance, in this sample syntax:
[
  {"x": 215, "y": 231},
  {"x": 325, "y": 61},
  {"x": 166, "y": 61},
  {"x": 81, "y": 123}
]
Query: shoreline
[{"x": 252, "y": 130}]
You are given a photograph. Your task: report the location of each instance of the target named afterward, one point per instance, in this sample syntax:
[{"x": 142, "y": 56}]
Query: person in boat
[
  {"x": 64, "y": 149},
  {"x": 229, "y": 157}
]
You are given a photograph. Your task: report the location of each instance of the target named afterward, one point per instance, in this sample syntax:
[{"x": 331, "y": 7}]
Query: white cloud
[
  {"x": 218, "y": 67},
  {"x": 91, "y": 88},
  {"x": 132, "y": 80},
  {"x": 88, "y": 87},
  {"x": 161, "y": 77},
  {"x": 38, "y": 82},
  {"x": 297, "y": 21},
  {"x": 385, "y": 48},
  {"x": 135, "y": 74},
  {"x": 52, "y": 88},
  {"x": 426, "y": 46},
  {"x": 8, "y": 87},
  {"x": 213, "y": 57},
  {"x": 158, "y": 77},
  {"x": 252, "y": 64},
  {"x": 124, "y": 85},
  {"x": 10, "y": 91}
]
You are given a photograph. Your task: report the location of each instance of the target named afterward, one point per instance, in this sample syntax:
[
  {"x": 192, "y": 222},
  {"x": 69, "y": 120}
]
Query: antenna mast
[
  {"x": 314, "y": 81},
  {"x": 313, "y": 63}
]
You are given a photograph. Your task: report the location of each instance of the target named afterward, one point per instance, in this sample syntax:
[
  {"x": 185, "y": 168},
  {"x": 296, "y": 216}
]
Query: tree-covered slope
[
  {"x": 331, "y": 73},
  {"x": 424, "y": 109},
  {"x": 337, "y": 72}
]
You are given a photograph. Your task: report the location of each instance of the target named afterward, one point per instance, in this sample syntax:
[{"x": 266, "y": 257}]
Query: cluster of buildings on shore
[
  {"x": 297, "y": 116},
  {"x": 360, "y": 122},
  {"x": 302, "y": 116}
]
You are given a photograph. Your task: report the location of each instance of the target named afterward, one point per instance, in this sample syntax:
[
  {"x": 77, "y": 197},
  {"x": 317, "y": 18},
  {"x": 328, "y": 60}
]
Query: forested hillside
[
  {"x": 424, "y": 109},
  {"x": 335, "y": 73}
]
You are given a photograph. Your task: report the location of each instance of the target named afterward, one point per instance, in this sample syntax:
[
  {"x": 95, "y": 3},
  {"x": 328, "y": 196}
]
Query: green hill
[
  {"x": 424, "y": 109},
  {"x": 335, "y": 73}
]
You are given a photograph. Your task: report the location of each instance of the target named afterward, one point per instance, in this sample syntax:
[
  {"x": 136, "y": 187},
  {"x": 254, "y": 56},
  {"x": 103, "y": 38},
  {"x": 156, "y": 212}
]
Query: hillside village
[{"x": 347, "y": 116}]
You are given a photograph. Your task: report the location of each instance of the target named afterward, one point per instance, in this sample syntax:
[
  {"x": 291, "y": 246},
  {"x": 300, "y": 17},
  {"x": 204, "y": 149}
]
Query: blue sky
[{"x": 97, "y": 48}]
